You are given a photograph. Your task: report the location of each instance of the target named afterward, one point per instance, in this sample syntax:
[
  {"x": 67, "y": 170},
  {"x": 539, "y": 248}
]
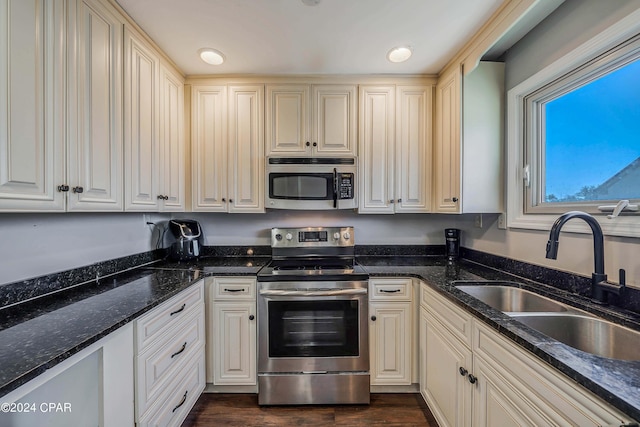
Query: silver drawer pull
[
  {"x": 178, "y": 310},
  {"x": 184, "y": 399},
  {"x": 234, "y": 290},
  {"x": 179, "y": 351},
  {"x": 390, "y": 291}
]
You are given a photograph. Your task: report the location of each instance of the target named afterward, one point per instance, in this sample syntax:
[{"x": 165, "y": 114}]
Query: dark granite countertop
[
  {"x": 38, "y": 334},
  {"x": 615, "y": 381},
  {"x": 219, "y": 265}
]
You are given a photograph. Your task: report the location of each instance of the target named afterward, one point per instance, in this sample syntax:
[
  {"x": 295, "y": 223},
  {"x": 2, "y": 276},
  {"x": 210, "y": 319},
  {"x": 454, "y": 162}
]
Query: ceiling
[{"x": 290, "y": 37}]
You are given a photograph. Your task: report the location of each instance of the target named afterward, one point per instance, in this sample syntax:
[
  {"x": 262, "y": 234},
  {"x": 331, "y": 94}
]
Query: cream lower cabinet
[
  {"x": 227, "y": 148},
  {"x": 472, "y": 376},
  {"x": 390, "y": 331},
  {"x": 170, "y": 359},
  {"x": 232, "y": 331},
  {"x": 94, "y": 387},
  {"x": 395, "y": 149}
]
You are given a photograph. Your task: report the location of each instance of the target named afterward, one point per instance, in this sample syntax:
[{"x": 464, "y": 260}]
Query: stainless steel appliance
[
  {"x": 313, "y": 336},
  {"x": 188, "y": 239},
  {"x": 311, "y": 183}
]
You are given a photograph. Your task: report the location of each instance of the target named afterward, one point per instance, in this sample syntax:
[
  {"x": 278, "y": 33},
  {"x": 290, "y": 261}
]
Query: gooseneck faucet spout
[{"x": 599, "y": 283}]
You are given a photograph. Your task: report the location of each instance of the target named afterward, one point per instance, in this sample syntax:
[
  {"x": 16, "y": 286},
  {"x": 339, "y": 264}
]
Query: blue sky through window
[{"x": 593, "y": 132}]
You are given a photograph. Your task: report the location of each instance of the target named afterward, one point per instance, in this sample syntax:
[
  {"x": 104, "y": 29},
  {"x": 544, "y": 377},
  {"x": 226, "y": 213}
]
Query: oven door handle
[{"x": 310, "y": 293}]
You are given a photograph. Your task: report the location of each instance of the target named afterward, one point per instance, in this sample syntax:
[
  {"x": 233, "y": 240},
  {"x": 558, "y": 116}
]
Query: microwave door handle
[{"x": 335, "y": 188}]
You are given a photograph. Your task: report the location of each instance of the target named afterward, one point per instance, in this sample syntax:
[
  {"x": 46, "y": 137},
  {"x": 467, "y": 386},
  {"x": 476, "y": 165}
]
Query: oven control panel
[{"x": 312, "y": 237}]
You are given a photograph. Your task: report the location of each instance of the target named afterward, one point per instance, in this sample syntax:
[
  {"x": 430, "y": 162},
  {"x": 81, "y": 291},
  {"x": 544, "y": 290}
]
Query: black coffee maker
[
  {"x": 452, "y": 243},
  {"x": 188, "y": 235}
]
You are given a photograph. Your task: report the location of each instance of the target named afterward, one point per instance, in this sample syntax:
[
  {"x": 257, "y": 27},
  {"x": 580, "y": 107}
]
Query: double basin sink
[{"x": 562, "y": 322}]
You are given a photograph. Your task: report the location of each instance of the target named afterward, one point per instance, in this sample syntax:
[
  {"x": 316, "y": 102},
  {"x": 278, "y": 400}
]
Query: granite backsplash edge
[{"x": 20, "y": 291}]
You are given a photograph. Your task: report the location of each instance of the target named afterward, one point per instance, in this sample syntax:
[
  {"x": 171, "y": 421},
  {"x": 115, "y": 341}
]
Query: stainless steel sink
[
  {"x": 589, "y": 334},
  {"x": 511, "y": 299}
]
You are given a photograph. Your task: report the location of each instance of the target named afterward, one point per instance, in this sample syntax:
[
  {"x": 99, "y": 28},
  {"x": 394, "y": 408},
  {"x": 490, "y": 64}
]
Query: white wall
[
  {"x": 570, "y": 25},
  {"x": 250, "y": 229},
  {"x": 32, "y": 245}
]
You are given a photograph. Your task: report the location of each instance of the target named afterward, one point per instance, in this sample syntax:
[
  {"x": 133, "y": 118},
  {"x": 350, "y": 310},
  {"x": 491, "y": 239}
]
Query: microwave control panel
[{"x": 345, "y": 185}]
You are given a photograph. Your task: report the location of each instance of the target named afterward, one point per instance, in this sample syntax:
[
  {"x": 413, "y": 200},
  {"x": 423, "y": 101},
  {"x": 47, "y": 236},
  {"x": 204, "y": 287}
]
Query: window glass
[{"x": 592, "y": 140}]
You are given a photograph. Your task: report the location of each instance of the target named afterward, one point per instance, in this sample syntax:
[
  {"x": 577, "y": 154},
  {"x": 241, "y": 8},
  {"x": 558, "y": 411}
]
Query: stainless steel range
[{"x": 313, "y": 337}]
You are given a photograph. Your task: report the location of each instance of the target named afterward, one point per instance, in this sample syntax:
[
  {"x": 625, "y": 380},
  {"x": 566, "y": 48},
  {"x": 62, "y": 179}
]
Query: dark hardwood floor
[{"x": 404, "y": 410}]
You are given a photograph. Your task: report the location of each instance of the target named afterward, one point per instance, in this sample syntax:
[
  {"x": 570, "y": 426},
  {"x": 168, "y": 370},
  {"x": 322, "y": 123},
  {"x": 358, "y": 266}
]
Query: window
[
  {"x": 574, "y": 135},
  {"x": 585, "y": 149}
]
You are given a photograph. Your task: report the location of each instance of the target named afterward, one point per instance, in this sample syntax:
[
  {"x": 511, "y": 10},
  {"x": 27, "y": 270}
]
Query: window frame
[{"x": 618, "y": 44}]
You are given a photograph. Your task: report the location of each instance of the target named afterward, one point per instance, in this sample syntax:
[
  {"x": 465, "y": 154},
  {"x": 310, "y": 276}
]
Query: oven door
[{"x": 313, "y": 328}]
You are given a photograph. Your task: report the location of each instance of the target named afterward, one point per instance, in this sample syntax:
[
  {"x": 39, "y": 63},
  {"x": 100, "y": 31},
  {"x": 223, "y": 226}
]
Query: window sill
[{"x": 622, "y": 226}]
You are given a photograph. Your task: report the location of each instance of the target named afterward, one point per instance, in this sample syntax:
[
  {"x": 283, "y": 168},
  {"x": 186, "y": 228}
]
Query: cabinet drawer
[
  {"x": 390, "y": 289},
  {"x": 234, "y": 288},
  {"x": 180, "y": 396},
  {"x": 151, "y": 325},
  {"x": 455, "y": 319},
  {"x": 166, "y": 356}
]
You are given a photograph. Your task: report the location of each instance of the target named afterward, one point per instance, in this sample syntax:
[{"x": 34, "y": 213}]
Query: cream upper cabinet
[
  {"x": 469, "y": 140},
  {"x": 309, "y": 120},
  {"x": 227, "y": 139},
  {"x": 395, "y": 149},
  {"x": 376, "y": 147},
  {"x": 141, "y": 125},
  {"x": 95, "y": 146},
  {"x": 32, "y": 115},
  {"x": 209, "y": 148},
  {"x": 413, "y": 148},
  {"x": 172, "y": 145},
  {"x": 246, "y": 148},
  {"x": 153, "y": 130}
]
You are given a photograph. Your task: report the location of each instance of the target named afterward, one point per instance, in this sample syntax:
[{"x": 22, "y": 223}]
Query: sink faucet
[{"x": 599, "y": 285}]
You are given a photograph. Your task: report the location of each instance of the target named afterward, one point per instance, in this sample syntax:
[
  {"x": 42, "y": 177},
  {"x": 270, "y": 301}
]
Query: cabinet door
[
  {"x": 234, "y": 343},
  {"x": 95, "y": 108},
  {"x": 246, "y": 149},
  {"x": 376, "y": 146},
  {"x": 446, "y": 391},
  {"x": 447, "y": 143},
  {"x": 497, "y": 403},
  {"x": 390, "y": 343},
  {"x": 287, "y": 119},
  {"x": 413, "y": 149},
  {"x": 172, "y": 166},
  {"x": 209, "y": 148},
  {"x": 141, "y": 128},
  {"x": 334, "y": 120},
  {"x": 32, "y": 81}
]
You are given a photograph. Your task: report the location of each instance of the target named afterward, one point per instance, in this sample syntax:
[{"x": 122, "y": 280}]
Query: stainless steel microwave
[{"x": 311, "y": 183}]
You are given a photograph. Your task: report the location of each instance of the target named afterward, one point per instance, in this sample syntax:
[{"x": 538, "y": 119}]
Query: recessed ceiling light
[
  {"x": 211, "y": 56},
  {"x": 399, "y": 54}
]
